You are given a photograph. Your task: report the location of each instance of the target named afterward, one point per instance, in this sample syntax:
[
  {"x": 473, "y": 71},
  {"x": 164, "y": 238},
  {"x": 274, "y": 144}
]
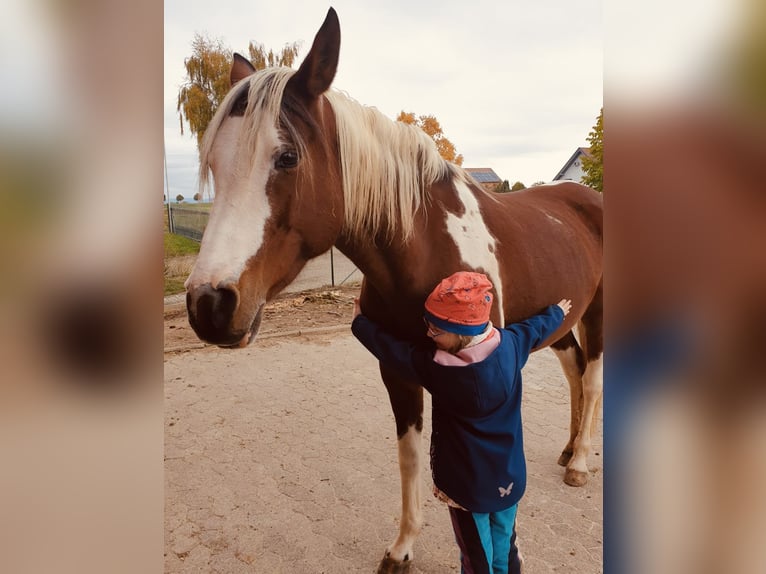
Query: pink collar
[{"x": 469, "y": 355}]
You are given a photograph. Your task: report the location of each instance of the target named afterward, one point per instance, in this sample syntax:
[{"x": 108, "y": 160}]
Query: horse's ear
[
  {"x": 317, "y": 71},
  {"x": 240, "y": 68}
]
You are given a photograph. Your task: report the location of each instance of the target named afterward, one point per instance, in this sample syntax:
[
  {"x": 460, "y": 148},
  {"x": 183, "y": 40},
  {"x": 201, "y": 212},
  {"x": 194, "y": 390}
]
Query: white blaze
[
  {"x": 241, "y": 209},
  {"x": 475, "y": 243}
]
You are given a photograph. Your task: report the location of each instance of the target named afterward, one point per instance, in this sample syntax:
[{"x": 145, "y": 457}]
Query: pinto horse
[{"x": 299, "y": 168}]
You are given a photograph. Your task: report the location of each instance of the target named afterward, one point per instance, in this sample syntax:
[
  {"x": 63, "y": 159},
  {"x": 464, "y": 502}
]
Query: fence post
[
  {"x": 171, "y": 227},
  {"x": 167, "y": 187},
  {"x": 332, "y": 269}
]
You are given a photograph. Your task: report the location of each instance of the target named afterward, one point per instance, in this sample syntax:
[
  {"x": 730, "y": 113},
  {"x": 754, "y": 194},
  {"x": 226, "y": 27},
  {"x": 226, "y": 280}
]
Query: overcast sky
[{"x": 516, "y": 85}]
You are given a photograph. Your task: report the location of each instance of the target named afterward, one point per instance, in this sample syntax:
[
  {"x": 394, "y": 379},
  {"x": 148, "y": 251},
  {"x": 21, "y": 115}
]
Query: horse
[{"x": 299, "y": 167}]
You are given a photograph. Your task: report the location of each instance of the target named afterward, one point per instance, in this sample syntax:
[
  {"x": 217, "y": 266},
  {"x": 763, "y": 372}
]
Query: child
[{"x": 474, "y": 377}]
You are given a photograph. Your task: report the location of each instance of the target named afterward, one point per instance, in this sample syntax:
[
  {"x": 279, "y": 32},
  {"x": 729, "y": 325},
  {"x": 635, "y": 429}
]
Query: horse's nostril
[
  {"x": 223, "y": 306},
  {"x": 211, "y": 311},
  {"x": 215, "y": 306}
]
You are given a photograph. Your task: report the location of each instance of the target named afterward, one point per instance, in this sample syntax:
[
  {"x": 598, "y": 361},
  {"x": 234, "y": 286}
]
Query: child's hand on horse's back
[
  {"x": 566, "y": 305},
  {"x": 357, "y": 309}
]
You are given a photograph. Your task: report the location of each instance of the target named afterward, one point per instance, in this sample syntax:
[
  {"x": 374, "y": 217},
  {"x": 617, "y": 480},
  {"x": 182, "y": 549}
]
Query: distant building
[
  {"x": 485, "y": 176},
  {"x": 572, "y": 169}
]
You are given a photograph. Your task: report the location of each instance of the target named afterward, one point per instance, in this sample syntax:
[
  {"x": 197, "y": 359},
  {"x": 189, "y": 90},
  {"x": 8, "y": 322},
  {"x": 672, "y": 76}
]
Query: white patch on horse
[
  {"x": 592, "y": 387},
  {"x": 410, "y": 452},
  {"x": 568, "y": 359},
  {"x": 555, "y": 219},
  {"x": 476, "y": 244},
  {"x": 235, "y": 230}
]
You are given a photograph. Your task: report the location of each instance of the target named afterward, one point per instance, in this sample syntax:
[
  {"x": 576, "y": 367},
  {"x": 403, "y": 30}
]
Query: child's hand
[
  {"x": 357, "y": 309},
  {"x": 566, "y": 305}
]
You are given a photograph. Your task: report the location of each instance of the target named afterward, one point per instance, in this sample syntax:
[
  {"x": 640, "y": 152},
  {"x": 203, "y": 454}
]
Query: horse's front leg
[{"x": 407, "y": 403}]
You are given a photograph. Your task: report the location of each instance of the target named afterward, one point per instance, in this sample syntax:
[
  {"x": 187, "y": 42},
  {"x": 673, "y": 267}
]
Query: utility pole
[{"x": 167, "y": 187}]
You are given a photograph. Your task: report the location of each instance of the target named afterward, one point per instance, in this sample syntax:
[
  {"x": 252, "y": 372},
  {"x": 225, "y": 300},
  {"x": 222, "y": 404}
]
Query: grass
[
  {"x": 177, "y": 247},
  {"x": 174, "y": 285},
  {"x": 197, "y": 206},
  {"x": 179, "y": 254}
]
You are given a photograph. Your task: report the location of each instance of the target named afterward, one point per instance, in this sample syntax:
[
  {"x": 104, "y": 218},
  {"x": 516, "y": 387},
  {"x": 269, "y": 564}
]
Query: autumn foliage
[
  {"x": 207, "y": 78},
  {"x": 593, "y": 162},
  {"x": 431, "y": 126}
]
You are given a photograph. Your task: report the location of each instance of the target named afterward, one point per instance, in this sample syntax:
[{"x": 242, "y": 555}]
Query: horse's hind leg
[
  {"x": 586, "y": 391},
  {"x": 592, "y": 340},
  {"x": 593, "y": 384},
  {"x": 407, "y": 403},
  {"x": 572, "y": 359}
]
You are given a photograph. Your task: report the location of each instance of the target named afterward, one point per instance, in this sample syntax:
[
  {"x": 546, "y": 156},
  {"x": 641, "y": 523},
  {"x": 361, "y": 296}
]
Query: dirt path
[{"x": 281, "y": 458}]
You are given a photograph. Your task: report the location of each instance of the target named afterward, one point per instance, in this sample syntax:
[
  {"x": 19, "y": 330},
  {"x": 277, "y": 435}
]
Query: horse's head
[{"x": 272, "y": 152}]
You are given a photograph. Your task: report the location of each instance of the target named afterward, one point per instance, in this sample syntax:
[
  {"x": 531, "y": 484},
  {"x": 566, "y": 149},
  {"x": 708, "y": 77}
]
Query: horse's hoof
[
  {"x": 565, "y": 457},
  {"x": 575, "y": 477},
  {"x": 390, "y": 566}
]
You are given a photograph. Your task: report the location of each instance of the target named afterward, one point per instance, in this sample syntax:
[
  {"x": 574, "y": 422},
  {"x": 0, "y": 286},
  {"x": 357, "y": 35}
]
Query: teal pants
[{"x": 487, "y": 541}]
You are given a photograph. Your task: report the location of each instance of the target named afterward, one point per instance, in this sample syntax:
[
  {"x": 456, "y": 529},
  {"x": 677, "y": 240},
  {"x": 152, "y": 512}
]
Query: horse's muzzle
[{"x": 211, "y": 314}]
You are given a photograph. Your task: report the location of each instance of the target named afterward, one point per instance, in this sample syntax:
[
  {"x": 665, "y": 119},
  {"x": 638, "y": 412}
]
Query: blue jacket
[{"x": 477, "y": 451}]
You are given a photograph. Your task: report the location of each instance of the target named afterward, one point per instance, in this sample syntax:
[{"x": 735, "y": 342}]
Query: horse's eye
[{"x": 287, "y": 160}]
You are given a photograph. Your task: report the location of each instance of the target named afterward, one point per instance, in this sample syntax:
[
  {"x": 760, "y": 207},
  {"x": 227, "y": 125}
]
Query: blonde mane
[{"x": 387, "y": 166}]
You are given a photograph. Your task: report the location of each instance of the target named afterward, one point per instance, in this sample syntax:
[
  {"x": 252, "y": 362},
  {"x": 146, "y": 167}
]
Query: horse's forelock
[{"x": 264, "y": 91}]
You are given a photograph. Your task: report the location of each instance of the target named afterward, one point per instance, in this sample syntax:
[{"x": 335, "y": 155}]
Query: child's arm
[
  {"x": 531, "y": 332},
  {"x": 389, "y": 350}
]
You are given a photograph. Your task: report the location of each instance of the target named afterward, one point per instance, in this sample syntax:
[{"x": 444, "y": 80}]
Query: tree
[
  {"x": 197, "y": 197},
  {"x": 207, "y": 78},
  {"x": 206, "y": 84},
  {"x": 179, "y": 198},
  {"x": 517, "y": 186},
  {"x": 593, "y": 164},
  {"x": 503, "y": 187},
  {"x": 431, "y": 126},
  {"x": 260, "y": 59}
]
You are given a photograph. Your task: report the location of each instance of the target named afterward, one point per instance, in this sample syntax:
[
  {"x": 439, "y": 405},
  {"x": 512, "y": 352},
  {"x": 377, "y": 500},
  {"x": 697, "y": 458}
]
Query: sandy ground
[{"x": 281, "y": 457}]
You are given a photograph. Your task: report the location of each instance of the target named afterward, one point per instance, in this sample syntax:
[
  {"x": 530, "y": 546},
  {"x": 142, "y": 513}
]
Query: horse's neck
[
  {"x": 405, "y": 266},
  {"x": 367, "y": 242},
  {"x": 384, "y": 263}
]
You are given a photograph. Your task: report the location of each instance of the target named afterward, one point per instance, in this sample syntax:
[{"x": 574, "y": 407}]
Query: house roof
[
  {"x": 483, "y": 174},
  {"x": 578, "y": 152}
]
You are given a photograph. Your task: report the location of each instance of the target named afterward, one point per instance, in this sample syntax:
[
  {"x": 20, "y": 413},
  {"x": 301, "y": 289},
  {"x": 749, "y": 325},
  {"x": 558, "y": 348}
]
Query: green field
[
  {"x": 177, "y": 245},
  {"x": 177, "y": 249},
  {"x": 198, "y": 206},
  {"x": 177, "y": 266}
]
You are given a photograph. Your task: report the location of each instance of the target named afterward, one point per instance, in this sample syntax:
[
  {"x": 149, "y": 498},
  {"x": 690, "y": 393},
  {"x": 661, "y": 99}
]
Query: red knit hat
[{"x": 461, "y": 303}]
